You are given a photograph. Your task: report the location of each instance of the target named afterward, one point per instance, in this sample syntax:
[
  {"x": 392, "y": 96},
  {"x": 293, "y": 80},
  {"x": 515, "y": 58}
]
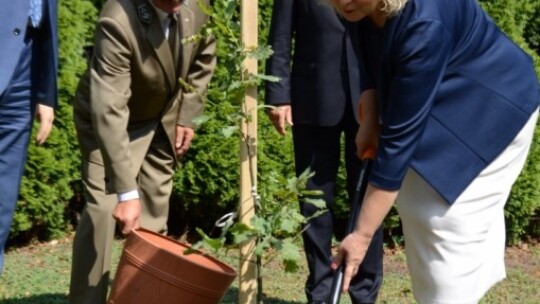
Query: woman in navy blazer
[{"x": 453, "y": 118}]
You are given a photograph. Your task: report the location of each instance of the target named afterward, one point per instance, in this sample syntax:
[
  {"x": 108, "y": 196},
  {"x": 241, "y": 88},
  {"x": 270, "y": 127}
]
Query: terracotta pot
[{"x": 154, "y": 270}]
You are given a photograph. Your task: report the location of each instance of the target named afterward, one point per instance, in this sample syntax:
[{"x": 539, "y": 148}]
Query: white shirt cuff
[{"x": 126, "y": 196}]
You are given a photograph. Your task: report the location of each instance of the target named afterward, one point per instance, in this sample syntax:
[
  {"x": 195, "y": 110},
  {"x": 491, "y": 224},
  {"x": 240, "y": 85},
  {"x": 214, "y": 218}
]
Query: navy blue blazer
[
  {"x": 13, "y": 27},
  {"x": 324, "y": 64},
  {"x": 453, "y": 92}
]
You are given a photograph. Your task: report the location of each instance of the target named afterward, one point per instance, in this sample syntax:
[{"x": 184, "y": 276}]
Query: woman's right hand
[{"x": 368, "y": 133}]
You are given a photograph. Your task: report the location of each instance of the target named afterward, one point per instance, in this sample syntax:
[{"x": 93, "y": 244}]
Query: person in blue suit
[
  {"x": 454, "y": 108},
  {"x": 28, "y": 69},
  {"x": 317, "y": 95}
]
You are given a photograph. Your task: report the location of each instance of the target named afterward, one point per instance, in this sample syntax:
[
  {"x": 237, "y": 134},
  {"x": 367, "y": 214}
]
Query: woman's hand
[
  {"x": 368, "y": 133},
  {"x": 352, "y": 251},
  {"x": 376, "y": 205}
]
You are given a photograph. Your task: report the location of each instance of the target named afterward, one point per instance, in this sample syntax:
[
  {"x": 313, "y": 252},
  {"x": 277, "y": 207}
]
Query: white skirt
[{"x": 455, "y": 253}]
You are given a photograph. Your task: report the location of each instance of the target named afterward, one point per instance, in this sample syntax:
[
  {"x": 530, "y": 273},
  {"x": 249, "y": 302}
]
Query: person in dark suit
[
  {"x": 28, "y": 69},
  {"x": 317, "y": 97},
  {"x": 134, "y": 123},
  {"x": 454, "y": 115}
]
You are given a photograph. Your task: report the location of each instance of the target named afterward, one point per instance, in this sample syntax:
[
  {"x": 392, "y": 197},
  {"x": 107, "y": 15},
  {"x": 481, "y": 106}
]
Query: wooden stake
[{"x": 248, "y": 154}]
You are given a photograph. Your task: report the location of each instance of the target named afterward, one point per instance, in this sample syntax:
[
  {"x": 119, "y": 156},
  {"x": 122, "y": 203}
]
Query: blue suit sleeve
[
  {"x": 45, "y": 50},
  {"x": 418, "y": 60},
  {"x": 279, "y": 64},
  {"x": 365, "y": 81},
  {"x": 366, "y": 68}
]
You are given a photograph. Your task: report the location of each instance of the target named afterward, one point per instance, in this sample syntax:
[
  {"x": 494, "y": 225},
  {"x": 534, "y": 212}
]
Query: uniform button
[{"x": 17, "y": 31}]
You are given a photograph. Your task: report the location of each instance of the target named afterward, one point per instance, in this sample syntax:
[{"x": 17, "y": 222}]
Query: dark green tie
[{"x": 173, "y": 33}]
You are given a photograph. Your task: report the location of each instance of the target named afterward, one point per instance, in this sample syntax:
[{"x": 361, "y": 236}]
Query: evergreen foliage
[{"x": 532, "y": 28}]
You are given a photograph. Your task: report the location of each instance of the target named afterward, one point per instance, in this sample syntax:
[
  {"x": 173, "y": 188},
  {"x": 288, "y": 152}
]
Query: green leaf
[
  {"x": 213, "y": 244},
  {"x": 261, "y": 225},
  {"x": 201, "y": 119},
  {"x": 289, "y": 224},
  {"x": 262, "y": 246},
  {"x": 262, "y": 52},
  {"x": 229, "y": 131},
  {"x": 242, "y": 233},
  {"x": 317, "y": 202},
  {"x": 312, "y": 192},
  {"x": 290, "y": 256},
  {"x": 306, "y": 175},
  {"x": 268, "y": 78}
]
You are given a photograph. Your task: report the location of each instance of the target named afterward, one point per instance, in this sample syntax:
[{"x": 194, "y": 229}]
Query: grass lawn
[{"x": 39, "y": 274}]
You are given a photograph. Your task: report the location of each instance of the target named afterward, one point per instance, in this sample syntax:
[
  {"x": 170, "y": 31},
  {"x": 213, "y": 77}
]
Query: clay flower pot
[{"x": 153, "y": 269}]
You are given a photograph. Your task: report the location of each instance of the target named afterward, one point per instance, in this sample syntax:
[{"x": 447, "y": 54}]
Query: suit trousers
[
  {"x": 455, "y": 253},
  {"x": 92, "y": 246},
  {"x": 319, "y": 148},
  {"x": 16, "y": 112}
]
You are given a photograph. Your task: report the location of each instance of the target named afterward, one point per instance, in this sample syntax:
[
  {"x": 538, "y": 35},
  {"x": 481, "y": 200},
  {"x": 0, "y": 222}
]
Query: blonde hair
[{"x": 393, "y": 7}]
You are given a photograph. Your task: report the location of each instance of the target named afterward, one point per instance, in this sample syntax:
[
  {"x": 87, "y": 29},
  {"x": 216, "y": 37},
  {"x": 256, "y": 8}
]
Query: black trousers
[{"x": 320, "y": 149}]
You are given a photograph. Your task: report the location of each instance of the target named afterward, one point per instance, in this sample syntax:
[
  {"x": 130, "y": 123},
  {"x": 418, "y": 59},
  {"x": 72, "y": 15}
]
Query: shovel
[{"x": 367, "y": 160}]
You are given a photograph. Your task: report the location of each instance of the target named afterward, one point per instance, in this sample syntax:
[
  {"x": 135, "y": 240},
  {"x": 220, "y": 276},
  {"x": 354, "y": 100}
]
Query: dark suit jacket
[
  {"x": 323, "y": 66},
  {"x": 13, "y": 22},
  {"x": 454, "y": 91}
]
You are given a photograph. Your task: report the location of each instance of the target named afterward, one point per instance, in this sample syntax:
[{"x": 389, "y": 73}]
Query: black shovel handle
[{"x": 359, "y": 193}]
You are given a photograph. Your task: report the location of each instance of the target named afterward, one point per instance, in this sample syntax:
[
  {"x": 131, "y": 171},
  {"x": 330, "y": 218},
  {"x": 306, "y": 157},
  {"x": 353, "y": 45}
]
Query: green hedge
[{"x": 207, "y": 185}]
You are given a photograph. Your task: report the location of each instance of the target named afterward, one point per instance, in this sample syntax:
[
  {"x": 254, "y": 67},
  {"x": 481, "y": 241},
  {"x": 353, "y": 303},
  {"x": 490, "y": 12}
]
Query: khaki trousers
[{"x": 95, "y": 233}]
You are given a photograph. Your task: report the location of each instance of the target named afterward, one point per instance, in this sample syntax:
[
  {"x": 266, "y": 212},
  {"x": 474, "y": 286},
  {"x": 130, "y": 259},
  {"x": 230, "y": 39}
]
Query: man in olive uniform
[{"x": 134, "y": 122}]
